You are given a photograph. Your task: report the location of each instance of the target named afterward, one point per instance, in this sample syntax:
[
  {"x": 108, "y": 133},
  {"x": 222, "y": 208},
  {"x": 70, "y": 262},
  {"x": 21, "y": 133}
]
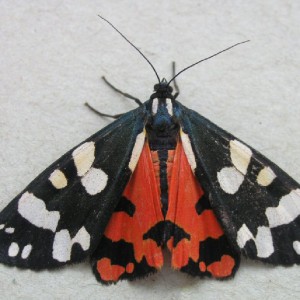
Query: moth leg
[
  {"x": 102, "y": 114},
  {"x": 177, "y": 91},
  {"x": 137, "y": 101}
]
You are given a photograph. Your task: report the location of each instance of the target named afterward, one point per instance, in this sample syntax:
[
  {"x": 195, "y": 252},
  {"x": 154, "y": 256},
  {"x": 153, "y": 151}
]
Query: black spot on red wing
[
  {"x": 163, "y": 231},
  {"x": 155, "y": 233},
  {"x": 126, "y": 206},
  {"x": 179, "y": 234},
  {"x": 210, "y": 251},
  {"x": 120, "y": 253},
  {"x": 202, "y": 204}
]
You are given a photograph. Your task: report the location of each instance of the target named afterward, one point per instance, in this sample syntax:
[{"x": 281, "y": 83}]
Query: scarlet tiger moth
[{"x": 160, "y": 176}]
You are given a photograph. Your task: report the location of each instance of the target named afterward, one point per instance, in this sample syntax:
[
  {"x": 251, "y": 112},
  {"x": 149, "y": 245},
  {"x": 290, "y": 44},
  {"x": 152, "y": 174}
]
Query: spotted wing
[
  {"x": 198, "y": 245},
  {"x": 256, "y": 202},
  {"x": 60, "y": 217},
  {"x": 130, "y": 247}
]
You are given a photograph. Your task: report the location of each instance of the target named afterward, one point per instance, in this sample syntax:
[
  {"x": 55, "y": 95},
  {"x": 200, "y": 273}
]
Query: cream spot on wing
[
  {"x": 137, "y": 150},
  {"x": 84, "y": 157},
  {"x": 62, "y": 244},
  {"x": 94, "y": 181},
  {"x": 263, "y": 240},
  {"x": 240, "y": 155},
  {"x": 230, "y": 179},
  {"x": 296, "y": 246},
  {"x": 13, "y": 250},
  {"x": 58, "y": 179},
  {"x": 34, "y": 210},
  {"x": 2, "y": 226},
  {"x": 187, "y": 147},
  {"x": 169, "y": 106},
  {"x": 26, "y": 251},
  {"x": 154, "y": 106},
  {"x": 266, "y": 176},
  {"x": 287, "y": 210},
  {"x": 9, "y": 230}
]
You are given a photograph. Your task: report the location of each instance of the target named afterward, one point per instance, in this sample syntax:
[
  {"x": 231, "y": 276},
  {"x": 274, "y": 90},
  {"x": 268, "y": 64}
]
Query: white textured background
[{"x": 53, "y": 54}]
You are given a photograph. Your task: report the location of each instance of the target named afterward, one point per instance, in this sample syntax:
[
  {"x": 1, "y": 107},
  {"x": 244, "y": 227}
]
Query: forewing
[
  {"x": 256, "y": 202},
  {"x": 60, "y": 217}
]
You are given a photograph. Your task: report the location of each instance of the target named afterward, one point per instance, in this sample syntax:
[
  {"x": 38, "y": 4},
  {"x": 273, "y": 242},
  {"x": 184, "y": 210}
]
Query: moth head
[
  {"x": 162, "y": 90},
  {"x": 161, "y": 112}
]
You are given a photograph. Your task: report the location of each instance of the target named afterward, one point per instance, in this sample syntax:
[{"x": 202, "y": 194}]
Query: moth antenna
[
  {"x": 198, "y": 62},
  {"x": 125, "y": 38}
]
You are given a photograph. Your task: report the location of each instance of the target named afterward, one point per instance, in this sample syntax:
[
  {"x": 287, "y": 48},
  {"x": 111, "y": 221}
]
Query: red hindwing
[
  {"x": 142, "y": 192},
  {"x": 203, "y": 248}
]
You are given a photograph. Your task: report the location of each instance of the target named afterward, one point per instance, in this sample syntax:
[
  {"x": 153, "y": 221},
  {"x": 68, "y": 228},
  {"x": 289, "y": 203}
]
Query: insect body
[
  {"x": 160, "y": 176},
  {"x": 162, "y": 131}
]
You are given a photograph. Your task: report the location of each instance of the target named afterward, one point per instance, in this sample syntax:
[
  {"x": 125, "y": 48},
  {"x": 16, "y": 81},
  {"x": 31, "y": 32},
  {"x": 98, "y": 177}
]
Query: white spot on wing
[
  {"x": 13, "y": 250},
  {"x": 187, "y": 147},
  {"x": 2, "y": 226},
  {"x": 263, "y": 240},
  {"x": 82, "y": 238},
  {"x": 243, "y": 236},
  {"x": 62, "y": 245},
  {"x": 84, "y": 157},
  {"x": 137, "y": 150},
  {"x": 9, "y": 230},
  {"x": 169, "y": 106},
  {"x": 58, "y": 179},
  {"x": 287, "y": 210},
  {"x": 34, "y": 210},
  {"x": 296, "y": 246},
  {"x": 240, "y": 155},
  {"x": 230, "y": 179},
  {"x": 154, "y": 106},
  {"x": 26, "y": 251},
  {"x": 266, "y": 176},
  {"x": 94, "y": 181}
]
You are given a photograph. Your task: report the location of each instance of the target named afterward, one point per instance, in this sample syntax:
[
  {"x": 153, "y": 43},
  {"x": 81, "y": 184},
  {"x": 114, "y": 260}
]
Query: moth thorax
[{"x": 162, "y": 105}]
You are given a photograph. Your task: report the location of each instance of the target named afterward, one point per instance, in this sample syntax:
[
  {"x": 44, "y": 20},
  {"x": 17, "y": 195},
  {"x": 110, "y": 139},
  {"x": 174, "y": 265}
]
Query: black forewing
[
  {"x": 66, "y": 224},
  {"x": 261, "y": 218}
]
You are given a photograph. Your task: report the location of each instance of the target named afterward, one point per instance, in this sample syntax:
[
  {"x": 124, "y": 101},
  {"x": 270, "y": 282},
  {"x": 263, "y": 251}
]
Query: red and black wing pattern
[
  {"x": 256, "y": 202},
  {"x": 205, "y": 250},
  {"x": 125, "y": 251},
  {"x": 132, "y": 243},
  {"x": 224, "y": 198}
]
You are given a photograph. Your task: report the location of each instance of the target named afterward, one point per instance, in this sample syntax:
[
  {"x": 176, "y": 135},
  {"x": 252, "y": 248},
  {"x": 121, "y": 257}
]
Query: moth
[{"x": 159, "y": 176}]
